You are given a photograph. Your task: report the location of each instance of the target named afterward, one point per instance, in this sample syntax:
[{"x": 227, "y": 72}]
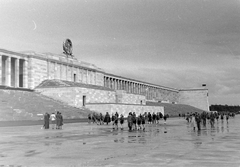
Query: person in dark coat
[
  {"x": 130, "y": 121},
  {"x": 143, "y": 121},
  {"x": 107, "y": 118},
  {"x": 139, "y": 122},
  {"x": 57, "y": 120},
  {"x": 165, "y": 119},
  {"x": 198, "y": 121},
  {"x": 46, "y": 121},
  {"x": 121, "y": 121},
  {"x": 60, "y": 120}
]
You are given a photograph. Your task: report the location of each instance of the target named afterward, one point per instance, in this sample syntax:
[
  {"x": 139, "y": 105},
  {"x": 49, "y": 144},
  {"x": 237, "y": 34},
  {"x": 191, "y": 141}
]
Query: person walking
[
  {"x": 107, "y": 118},
  {"x": 121, "y": 121},
  {"x": 46, "y": 121},
  {"x": 130, "y": 121},
  {"x": 53, "y": 120}
]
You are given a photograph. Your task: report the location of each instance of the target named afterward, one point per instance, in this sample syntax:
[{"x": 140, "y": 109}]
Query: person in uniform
[{"x": 121, "y": 121}]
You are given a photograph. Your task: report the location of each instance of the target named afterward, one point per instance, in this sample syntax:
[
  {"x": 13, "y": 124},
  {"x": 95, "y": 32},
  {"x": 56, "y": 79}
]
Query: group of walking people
[
  {"x": 135, "y": 122},
  {"x": 55, "y": 120},
  {"x": 198, "y": 119}
]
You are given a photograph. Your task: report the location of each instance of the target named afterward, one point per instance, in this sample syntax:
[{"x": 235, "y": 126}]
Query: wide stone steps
[{"x": 25, "y": 105}]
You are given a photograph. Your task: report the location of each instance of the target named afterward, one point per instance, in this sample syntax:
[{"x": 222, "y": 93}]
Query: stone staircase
[{"x": 29, "y": 105}]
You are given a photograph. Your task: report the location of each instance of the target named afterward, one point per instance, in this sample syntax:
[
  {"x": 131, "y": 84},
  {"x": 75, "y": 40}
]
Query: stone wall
[
  {"x": 128, "y": 98},
  {"x": 99, "y": 79},
  {"x": 124, "y": 108},
  {"x": 195, "y": 97},
  {"x": 165, "y": 95},
  {"x": 37, "y": 72},
  {"x": 73, "y": 96}
]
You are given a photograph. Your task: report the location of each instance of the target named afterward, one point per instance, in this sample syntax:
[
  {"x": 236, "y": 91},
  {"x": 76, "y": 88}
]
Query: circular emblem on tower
[{"x": 67, "y": 47}]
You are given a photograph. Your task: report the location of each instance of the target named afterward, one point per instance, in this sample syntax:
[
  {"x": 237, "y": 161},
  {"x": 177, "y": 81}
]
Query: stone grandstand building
[{"x": 81, "y": 84}]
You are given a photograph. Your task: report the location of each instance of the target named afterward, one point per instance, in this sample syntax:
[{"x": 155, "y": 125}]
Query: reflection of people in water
[
  {"x": 165, "y": 118},
  {"x": 227, "y": 116}
]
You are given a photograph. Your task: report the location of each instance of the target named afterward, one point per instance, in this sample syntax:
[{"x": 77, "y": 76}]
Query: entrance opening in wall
[
  {"x": 74, "y": 77},
  {"x": 84, "y": 101}
]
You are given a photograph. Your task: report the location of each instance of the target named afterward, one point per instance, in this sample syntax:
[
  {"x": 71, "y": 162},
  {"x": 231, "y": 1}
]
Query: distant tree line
[{"x": 224, "y": 108}]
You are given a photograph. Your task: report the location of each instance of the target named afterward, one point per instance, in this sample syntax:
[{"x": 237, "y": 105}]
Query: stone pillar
[
  {"x": 25, "y": 73},
  {"x": 8, "y": 71},
  {"x": 126, "y": 86},
  {"x": 61, "y": 71},
  {"x": 115, "y": 83},
  {"x": 119, "y": 85},
  {"x": 139, "y": 89},
  {"x": 48, "y": 69},
  {"x": 55, "y": 70},
  {"x": 77, "y": 75},
  {"x": 17, "y": 72},
  {"x": 87, "y": 77},
  {"x": 0, "y": 69},
  {"x": 131, "y": 87},
  {"x": 106, "y": 80}
]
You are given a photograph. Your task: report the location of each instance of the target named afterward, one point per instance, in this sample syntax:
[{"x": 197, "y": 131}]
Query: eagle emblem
[{"x": 67, "y": 47}]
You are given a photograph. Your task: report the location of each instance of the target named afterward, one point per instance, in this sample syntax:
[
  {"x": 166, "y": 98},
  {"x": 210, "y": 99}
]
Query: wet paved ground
[{"x": 81, "y": 144}]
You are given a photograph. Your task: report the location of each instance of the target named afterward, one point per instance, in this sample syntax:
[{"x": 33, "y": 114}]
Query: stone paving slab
[{"x": 83, "y": 144}]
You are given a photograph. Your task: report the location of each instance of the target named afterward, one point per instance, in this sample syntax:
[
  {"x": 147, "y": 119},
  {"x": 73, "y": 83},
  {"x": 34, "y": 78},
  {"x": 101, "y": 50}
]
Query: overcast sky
[{"x": 174, "y": 43}]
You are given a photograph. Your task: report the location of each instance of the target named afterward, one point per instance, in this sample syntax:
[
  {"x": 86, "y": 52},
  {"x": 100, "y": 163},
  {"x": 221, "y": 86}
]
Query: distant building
[{"x": 29, "y": 69}]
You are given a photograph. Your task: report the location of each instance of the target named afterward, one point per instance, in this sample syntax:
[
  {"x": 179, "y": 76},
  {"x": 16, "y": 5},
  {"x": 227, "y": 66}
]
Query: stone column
[
  {"x": 107, "y": 85},
  {"x": 131, "y": 87},
  {"x": 8, "y": 71},
  {"x": 126, "y": 83},
  {"x": 25, "y": 73},
  {"x": 120, "y": 84},
  {"x": 138, "y": 86},
  {"x": 0, "y": 69},
  {"x": 117, "y": 84},
  {"x": 77, "y": 75},
  {"x": 48, "y": 69},
  {"x": 17, "y": 72}
]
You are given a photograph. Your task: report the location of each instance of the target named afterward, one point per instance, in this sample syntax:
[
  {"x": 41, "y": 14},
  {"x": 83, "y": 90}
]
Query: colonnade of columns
[
  {"x": 151, "y": 92},
  {"x": 13, "y": 71}
]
